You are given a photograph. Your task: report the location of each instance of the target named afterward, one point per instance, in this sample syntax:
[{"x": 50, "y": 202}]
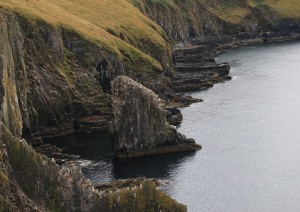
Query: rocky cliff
[
  {"x": 139, "y": 124},
  {"x": 33, "y": 182},
  {"x": 184, "y": 21},
  {"x": 57, "y": 64},
  {"x": 57, "y": 61},
  {"x": 55, "y": 80}
]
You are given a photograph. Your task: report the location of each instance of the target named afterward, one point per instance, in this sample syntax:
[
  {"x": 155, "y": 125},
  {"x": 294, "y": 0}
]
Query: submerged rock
[{"x": 139, "y": 125}]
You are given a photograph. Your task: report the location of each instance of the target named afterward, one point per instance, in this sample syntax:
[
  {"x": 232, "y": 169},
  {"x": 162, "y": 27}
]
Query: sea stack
[{"x": 139, "y": 125}]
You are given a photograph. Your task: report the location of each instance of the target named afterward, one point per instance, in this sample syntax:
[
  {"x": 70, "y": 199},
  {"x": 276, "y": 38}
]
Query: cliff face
[
  {"x": 56, "y": 73},
  {"x": 45, "y": 86},
  {"x": 53, "y": 80},
  {"x": 32, "y": 182},
  {"x": 184, "y": 21},
  {"x": 57, "y": 59},
  {"x": 139, "y": 122},
  {"x": 52, "y": 77},
  {"x": 113, "y": 25}
]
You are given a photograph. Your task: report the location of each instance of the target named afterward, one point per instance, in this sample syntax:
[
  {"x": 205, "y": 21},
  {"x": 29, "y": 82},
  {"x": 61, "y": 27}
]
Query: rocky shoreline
[
  {"x": 56, "y": 69},
  {"x": 194, "y": 69}
]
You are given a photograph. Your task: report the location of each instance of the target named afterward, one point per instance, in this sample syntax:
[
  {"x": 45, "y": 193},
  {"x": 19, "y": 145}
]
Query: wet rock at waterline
[
  {"x": 139, "y": 126},
  {"x": 174, "y": 116}
]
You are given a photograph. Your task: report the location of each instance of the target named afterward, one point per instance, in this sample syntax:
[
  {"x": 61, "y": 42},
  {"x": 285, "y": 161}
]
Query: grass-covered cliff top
[
  {"x": 286, "y": 8},
  {"x": 120, "y": 28},
  {"x": 231, "y": 11},
  {"x": 115, "y": 25}
]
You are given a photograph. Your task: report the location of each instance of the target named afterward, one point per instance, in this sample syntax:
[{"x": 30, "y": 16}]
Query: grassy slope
[
  {"x": 286, "y": 8},
  {"x": 105, "y": 21},
  {"x": 93, "y": 18},
  {"x": 231, "y": 11}
]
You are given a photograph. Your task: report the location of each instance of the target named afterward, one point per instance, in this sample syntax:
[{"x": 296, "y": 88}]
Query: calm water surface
[{"x": 250, "y": 132}]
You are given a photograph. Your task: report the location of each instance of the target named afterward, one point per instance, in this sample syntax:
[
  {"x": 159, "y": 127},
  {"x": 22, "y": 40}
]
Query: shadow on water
[
  {"x": 89, "y": 146},
  {"x": 100, "y": 166},
  {"x": 158, "y": 166}
]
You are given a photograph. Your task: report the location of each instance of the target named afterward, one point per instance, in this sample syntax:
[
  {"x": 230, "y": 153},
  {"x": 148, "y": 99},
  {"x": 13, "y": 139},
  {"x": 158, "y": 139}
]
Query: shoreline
[
  {"x": 192, "y": 53},
  {"x": 195, "y": 65},
  {"x": 184, "y": 79}
]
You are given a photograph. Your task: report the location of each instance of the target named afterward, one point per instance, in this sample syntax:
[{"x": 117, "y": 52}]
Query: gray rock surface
[{"x": 139, "y": 122}]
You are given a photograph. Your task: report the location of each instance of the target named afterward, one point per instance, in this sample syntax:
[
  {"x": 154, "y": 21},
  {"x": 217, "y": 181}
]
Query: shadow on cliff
[{"x": 89, "y": 146}]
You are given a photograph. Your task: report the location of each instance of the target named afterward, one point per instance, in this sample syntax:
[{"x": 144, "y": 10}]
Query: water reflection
[
  {"x": 98, "y": 164},
  {"x": 158, "y": 166}
]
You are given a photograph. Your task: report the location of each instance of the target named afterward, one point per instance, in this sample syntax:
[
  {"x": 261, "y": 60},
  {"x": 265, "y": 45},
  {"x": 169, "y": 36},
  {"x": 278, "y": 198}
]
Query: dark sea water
[{"x": 249, "y": 128}]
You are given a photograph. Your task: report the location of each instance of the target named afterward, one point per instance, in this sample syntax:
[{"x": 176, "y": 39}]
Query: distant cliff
[{"x": 184, "y": 21}]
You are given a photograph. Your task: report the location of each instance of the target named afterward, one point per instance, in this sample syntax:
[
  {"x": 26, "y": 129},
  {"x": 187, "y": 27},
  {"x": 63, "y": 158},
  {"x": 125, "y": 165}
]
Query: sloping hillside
[
  {"x": 188, "y": 19},
  {"x": 57, "y": 59},
  {"x": 114, "y": 25},
  {"x": 285, "y": 8}
]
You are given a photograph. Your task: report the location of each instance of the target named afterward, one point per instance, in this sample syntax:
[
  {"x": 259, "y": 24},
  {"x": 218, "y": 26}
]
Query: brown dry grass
[{"x": 93, "y": 18}]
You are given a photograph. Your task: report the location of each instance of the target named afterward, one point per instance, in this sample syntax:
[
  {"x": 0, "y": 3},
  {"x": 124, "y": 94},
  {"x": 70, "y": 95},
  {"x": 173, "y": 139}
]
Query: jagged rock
[
  {"x": 139, "y": 125},
  {"x": 196, "y": 69},
  {"x": 174, "y": 116},
  {"x": 33, "y": 182}
]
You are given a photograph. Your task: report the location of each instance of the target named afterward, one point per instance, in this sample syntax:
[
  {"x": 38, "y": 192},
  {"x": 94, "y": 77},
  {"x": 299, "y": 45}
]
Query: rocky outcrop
[
  {"x": 33, "y": 182},
  {"x": 174, "y": 116},
  {"x": 139, "y": 124},
  {"x": 195, "y": 68}
]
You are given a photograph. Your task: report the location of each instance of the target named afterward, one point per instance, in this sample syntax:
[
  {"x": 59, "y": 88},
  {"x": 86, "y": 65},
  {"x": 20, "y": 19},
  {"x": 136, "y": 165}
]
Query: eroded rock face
[
  {"x": 45, "y": 86},
  {"x": 139, "y": 125},
  {"x": 33, "y": 182}
]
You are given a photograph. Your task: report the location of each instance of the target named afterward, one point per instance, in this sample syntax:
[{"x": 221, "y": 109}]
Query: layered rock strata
[
  {"x": 195, "y": 68},
  {"x": 139, "y": 126}
]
